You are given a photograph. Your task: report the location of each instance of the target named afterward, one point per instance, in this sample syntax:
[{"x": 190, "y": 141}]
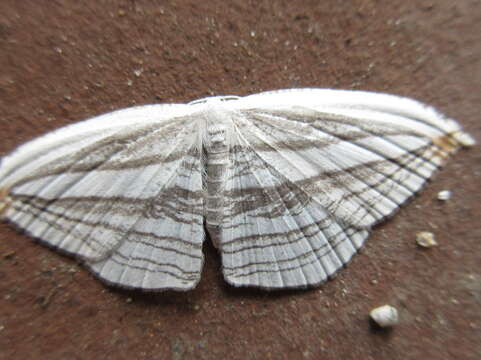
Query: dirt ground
[{"x": 62, "y": 61}]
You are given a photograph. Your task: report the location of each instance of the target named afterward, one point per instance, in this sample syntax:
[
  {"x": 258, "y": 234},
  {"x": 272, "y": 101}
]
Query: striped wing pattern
[
  {"x": 313, "y": 182},
  {"x": 297, "y": 177},
  {"x": 275, "y": 235},
  {"x": 358, "y": 174},
  {"x": 163, "y": 247},
  {"x": 127, "y": 201}
]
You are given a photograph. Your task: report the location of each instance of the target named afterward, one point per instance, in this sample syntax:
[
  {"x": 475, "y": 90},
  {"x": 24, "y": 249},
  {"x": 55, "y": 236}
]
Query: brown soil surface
[{"x": 62, "y": 61}]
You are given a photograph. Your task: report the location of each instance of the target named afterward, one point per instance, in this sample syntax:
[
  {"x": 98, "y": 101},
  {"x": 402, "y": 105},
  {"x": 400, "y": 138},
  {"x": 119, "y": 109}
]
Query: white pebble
[
  {"x": 425, "y": 239},
  {"x": 444, "y": 195},
  {"x": 385, "y": 316}
]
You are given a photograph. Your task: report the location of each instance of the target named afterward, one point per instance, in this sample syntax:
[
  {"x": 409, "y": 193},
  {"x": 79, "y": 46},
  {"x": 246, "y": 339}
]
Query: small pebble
[
  {"x": 444, "y": 195},
  {"x": 385, "y": 316},
  {"x": 425, "y": 239}
]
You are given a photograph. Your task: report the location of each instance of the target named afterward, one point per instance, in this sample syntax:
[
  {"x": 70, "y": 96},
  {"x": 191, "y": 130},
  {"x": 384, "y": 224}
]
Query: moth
[{"x": 287, "y": 184}]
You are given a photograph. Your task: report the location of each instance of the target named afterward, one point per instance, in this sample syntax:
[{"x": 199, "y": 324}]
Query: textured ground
[{"x": 65, "y": 60}]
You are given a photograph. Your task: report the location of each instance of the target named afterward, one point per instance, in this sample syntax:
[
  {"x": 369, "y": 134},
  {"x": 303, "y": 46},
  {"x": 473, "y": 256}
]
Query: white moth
[{"x": 287, "y": 184}]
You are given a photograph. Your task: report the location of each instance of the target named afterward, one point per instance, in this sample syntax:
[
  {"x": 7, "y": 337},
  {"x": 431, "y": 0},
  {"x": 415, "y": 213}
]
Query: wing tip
[
  {"x": 451, "y": 142},
  {"x": 5, "y": 201},
  {"x": 464, "y": 139}
]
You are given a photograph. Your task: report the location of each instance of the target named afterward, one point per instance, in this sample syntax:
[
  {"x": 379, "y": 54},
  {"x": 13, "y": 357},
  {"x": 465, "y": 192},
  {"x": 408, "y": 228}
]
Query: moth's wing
[
  {"x": 121, "y": 191},
  {"x": 309, "y": 180},
  {"x": 358, "y": 154},
  {"x": 274, "y": 235},
  {"x": 163, "y": 248}
]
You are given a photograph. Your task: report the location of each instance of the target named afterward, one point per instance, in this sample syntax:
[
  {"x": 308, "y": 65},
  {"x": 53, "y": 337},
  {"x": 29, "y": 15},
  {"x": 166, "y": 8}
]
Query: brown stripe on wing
[
  {"x": 328, "y": 247},
  {"x": 329, "y": 123},
  {"x": 39, "y": 212},
  {"x": 150, "y": 207},
  {"x": 98, "y": 156},
  {"x": 255, "y": 197}
]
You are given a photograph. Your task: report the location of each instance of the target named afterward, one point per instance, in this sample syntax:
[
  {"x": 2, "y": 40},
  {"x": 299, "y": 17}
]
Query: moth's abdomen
[{"x": 217, "y": 150}]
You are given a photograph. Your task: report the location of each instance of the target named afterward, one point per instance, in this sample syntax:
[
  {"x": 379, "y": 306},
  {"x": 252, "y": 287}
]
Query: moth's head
[
  {"x": 215, "y": 121},
  {"x": 215, "y": 99}
]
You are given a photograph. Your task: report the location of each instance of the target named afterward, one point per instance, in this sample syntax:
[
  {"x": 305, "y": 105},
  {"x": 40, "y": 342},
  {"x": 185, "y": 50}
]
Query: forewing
[
  {"x": 360, "y": 162},
  {"x": 121, "y": 191}
]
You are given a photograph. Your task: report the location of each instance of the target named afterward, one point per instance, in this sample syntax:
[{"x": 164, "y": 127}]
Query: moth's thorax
[{"x": 216, "y": 126}]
